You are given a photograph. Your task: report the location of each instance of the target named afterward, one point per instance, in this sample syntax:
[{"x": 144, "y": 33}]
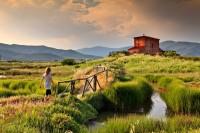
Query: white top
[{"x": 47, "y": 82}]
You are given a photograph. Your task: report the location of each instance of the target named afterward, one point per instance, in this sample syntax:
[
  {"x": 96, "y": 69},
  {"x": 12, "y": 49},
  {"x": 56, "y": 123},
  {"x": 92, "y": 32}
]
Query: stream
[
  {"x": 158, "y": 111},
  {"x": 159, "y": 108}
]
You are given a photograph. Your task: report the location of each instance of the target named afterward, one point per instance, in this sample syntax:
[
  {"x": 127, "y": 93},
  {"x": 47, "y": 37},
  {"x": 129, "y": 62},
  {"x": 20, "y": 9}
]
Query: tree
[
  {"x": 68, "y": 62},
  {"x": 170, "y": 53}
]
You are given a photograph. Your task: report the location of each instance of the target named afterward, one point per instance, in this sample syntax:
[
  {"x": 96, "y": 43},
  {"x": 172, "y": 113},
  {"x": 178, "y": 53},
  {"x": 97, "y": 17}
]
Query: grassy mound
[
  {"x": 122, "y": 96},
  {"x": 64, "y": 114},
  {"x": 179, "y": 97}
]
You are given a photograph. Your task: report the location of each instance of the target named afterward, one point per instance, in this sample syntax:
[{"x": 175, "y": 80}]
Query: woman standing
[{"x": 47, "y": 78}]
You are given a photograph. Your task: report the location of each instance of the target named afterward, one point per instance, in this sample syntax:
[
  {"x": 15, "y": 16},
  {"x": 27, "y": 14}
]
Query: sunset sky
[{"x": 74, "y": 24}]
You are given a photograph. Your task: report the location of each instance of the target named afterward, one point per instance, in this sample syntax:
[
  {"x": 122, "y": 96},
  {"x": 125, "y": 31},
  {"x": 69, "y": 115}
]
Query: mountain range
[
  {"x": 182, "y": 48},
  {"x": 44, "y": 53},
  {"x": 38, "y": 53},
  {"x": 100, "y": 51}
]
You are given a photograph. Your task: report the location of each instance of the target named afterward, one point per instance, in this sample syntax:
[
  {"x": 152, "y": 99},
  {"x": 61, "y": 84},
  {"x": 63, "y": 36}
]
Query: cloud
[
  {"x": 109, "y": 16},
  {"x": 155, "y": 17},
  {"x": 84, "y": 23}
]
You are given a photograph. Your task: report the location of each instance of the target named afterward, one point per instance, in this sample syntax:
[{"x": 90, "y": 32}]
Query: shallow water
[{"x": 159, "y": 108}]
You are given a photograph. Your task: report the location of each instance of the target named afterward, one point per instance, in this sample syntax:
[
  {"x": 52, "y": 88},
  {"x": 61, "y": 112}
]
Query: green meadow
[{"x": 133, "y": 81}]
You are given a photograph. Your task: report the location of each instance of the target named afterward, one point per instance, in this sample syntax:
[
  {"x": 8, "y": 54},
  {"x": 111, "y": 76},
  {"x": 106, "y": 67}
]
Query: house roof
[
  {"x": 143, "y": 36},
  {"x": 135, "y": 48}
]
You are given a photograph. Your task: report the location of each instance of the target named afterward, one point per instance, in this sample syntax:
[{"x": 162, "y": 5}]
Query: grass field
[
  {"x": 176, "y": 79},
  {"x": 141, "y": 124}
]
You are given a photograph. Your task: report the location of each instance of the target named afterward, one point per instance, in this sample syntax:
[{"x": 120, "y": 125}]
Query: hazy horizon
[{"x": 75, "y": 24}]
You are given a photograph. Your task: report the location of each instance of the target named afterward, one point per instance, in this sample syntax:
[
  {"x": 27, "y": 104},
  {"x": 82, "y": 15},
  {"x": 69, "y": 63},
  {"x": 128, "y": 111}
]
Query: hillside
[
  {"x": 182, "y": 48},
  {"x": 38, "y": 53}
]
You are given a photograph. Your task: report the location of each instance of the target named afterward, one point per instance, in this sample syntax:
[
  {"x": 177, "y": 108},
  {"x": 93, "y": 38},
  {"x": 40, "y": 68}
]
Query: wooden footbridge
[{"x": 90, "y": 82}]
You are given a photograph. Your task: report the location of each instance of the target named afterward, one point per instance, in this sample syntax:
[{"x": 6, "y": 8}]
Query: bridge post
[
  {"x": 85, "y": 87},
  {"x": 72, "y": 87},
  {"x": 106, "y": 76},
  {"x": 95, "y": 83}
]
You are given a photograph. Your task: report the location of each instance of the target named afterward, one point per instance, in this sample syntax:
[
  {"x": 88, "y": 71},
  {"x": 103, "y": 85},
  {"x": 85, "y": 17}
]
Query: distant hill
[
  {"x": 38, "y": 53},
  {"x": 100, "y": 51},
  {"x": 43, "y": 53},
  {"x": 182, "y": 48}
]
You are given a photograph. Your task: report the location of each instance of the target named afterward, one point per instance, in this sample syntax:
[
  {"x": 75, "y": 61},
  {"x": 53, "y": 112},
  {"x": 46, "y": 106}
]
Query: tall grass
[
  {"x": 20, "y": 87},
  {"x": 64, "y": 114},
  {"x": 156, "y": 64},
  {"x": 179, "y": 97},
  {"x": 127, "y": 96},
  {"x": 122, "y": 96},
  {"x": 141, "y": 124}
]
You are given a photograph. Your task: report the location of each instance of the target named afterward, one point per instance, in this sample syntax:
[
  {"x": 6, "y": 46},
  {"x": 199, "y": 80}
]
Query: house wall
[
  {"x": 145, "y": 45},
  {"x": 140, "y": 42},
  {"x": 152, "y": 46}
]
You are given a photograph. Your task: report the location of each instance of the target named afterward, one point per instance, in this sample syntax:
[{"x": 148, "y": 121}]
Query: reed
[
  {"x": 122, "y": 96},
  {"x": 141, "y": 124},
  {"x": 179, "y": 97}
]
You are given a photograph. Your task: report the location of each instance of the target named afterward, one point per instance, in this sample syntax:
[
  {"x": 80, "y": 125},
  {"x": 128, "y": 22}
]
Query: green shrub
[
  {"x": 76, "y": 114},
  {"x": 119, "y": 53},
  {"x": 88, "y": 112},
  {"x": 65, "y": 114},
  {"x": 170, "y": 53},
  {"x": 179, "y": 97},
  {"x": 97, "y": 100},
  {"x": 16, "y": 128},
  {"x": 68, "y": 62},
  {"x": 63, "y": 123}
]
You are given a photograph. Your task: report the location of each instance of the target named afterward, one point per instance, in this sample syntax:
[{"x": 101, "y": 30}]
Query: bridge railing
[{"x": 90, "y": 82}]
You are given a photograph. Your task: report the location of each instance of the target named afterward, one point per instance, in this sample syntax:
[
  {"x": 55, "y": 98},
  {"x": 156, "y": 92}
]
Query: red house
[{"x": 145, "y": 44}]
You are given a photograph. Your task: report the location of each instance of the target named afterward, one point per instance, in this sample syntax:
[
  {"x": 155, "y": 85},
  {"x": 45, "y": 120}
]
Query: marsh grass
[
  {"x": 179, "y": 97},
  {"x": 128, "y": 96},
  {"x": 122, "y": 96},
  {"x": 141, "y": 124},
  {"x": 19, "y": 87}
]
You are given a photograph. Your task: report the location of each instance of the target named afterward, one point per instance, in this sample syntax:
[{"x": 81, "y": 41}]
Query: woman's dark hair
[{"x": 47, "y": 70}]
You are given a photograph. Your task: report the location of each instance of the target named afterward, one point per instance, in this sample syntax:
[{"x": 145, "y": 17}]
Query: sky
[{"x": 74, "y": 24}]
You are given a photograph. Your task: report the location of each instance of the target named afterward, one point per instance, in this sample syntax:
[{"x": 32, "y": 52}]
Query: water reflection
[
  {"x": 159, "y": 108},
  {"x": 154, "y": 108}
]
